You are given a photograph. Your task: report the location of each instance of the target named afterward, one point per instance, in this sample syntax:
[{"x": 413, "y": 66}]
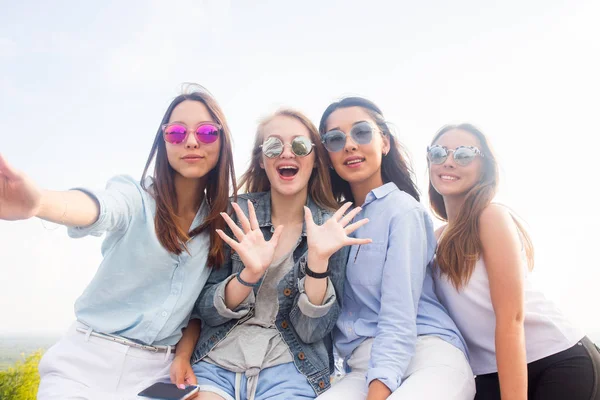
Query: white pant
[
  {"x": 437, "y": 371},
  {"x": 90, "y": 368}
]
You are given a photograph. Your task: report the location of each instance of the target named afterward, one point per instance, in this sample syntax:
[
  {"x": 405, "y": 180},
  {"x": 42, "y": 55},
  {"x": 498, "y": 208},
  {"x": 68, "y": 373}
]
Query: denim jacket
[{"x": 308, "y": 337}]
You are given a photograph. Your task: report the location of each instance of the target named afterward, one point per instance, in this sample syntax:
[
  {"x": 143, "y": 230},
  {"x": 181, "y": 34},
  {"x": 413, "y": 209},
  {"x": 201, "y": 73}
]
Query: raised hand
[
  {"x": 255, "y": 252},
  {"x": 20, "y": 198},
  {"x": 326, "y": 239}
]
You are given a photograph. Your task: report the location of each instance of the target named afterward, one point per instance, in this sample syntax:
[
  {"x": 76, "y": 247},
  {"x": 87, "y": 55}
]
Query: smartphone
[{"x": 169, "y": 391}]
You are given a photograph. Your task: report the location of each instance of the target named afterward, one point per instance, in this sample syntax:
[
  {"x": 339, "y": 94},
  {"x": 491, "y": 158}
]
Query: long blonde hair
[
  {"x": 460, "y": 246},
  {"x": 319, "y": 184}
]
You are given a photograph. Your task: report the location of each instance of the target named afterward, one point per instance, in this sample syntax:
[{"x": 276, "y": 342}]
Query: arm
[
  {"x": 181, "y": 370},
  {"x": 501, "y": 253},
  {"x": 21, "y": 198},
  {"x": 408, "y": 253}
]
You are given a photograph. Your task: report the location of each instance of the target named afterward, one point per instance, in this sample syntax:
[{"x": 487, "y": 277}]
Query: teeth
[
  {"x": 354, "y": 162},
  {"x": 448, "y": 178},
  {"x": 287, "y": 167}
]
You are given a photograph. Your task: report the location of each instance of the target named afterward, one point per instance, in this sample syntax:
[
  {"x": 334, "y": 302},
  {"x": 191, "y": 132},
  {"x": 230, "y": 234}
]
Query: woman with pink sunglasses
[{"x": 160, "y": 246}]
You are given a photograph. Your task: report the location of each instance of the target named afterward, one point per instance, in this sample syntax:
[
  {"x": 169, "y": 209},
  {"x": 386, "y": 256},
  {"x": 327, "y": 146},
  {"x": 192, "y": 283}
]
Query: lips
[
  {"x": 354, "y": 161},
  {"x": 448, "y": 177}
]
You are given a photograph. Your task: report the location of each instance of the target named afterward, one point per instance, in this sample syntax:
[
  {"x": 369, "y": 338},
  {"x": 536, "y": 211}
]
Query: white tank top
[{"x": 547, "y": 331}]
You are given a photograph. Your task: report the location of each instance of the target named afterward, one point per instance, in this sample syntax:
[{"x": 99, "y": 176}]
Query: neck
[
  {"x": 453, "y": 205},
  {"x": 190, "y": 194},
  {"x": 360, "y": 190},
  {"x": 288, "y": 210}
]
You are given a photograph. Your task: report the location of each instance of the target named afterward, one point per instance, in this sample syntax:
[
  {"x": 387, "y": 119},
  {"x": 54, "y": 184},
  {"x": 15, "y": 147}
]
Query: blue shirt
[
  {"x": 140, "y": 291},
  {"x": 388, "y": 294}
]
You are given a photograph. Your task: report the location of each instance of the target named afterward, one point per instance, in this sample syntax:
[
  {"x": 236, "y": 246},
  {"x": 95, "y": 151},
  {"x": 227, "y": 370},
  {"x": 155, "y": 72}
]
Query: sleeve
[
  {"x": 122, "y": 199},
  {"x": 401, "y": 285},
  {"x": 313, "y": 322}
]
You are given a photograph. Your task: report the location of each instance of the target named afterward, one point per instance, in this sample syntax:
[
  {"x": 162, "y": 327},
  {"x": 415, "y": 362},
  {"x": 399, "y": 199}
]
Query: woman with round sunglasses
[
  {"x": 520, "y": 345},
  {"x": 396, "y": 340},
  {"x": 160, "y": 246},
  {"x": 268, "y": 313}
]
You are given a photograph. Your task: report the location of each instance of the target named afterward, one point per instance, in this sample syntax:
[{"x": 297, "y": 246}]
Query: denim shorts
[{"x": 280, "y": 382}]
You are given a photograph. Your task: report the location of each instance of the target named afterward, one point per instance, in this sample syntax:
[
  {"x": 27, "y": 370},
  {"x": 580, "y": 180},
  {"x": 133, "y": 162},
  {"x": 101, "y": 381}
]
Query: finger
[
  {"x": 352, "y": 227},
  {"x": 341, "y": 211},
  {"x": 308, "y": 217},
  {"x": 354, "y": 241},
  {"x": 232, "y": 243},
  {"x": 350, "y": 216},
  {"x": 179, "y": 378},
  {"x": 237, "y": 231},
  {"x": 6, "y": 169},
  {"x": 191, "y": 379},
  {"x": 276, "y": 235},
  {"x": 252, "y": 214},
  {"x": 241, "y": 217}
]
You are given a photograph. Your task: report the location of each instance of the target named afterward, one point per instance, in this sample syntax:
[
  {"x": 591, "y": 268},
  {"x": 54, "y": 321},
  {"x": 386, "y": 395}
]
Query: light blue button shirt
[
  {"x": 388, "y": 293},
  {"x": 140, "y": 291}
]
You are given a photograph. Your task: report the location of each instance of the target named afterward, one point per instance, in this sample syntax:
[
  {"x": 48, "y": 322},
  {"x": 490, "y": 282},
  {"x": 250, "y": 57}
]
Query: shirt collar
[{"x": 380, "y": 192}]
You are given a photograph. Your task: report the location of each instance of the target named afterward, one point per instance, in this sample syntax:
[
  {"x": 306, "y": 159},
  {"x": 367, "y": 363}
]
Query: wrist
[
  {"x": 317, "y": 263},
  {"x": 250, "y": 277}
]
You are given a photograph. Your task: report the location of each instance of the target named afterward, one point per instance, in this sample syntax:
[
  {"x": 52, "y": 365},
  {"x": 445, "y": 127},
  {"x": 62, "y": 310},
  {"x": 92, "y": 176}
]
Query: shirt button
[
  {"x": 321, "y": 384},
  {"x": 284, "y": 324},
  {"x": 301, "y": 356},
  {"x": 164, "y": 313},
  {"x": 287, "y": 292}
]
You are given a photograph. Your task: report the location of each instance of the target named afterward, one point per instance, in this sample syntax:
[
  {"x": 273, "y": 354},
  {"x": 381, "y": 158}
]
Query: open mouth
[
  {"x": 449, "y": 178},
  {"x": 287, "y": 171}
]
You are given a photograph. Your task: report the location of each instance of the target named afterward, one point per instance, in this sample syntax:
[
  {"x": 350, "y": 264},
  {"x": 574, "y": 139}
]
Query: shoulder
[
  {"x": 398, "y": 203},
  {"x": 439, "y": 231},
  {"x": 496, "y": 225},
  {"x": 253, "y": 197},
  {"x": 128, "y": 187}
]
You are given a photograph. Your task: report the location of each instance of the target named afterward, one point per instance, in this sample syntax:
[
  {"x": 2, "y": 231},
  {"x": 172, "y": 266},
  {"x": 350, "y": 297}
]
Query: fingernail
[{"x": 182, "y": 386}]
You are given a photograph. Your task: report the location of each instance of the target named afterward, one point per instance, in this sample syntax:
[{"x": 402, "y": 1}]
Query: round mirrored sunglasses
[
  {"x": 273, "y": 146},
  {"x": 462, "y": 155}
]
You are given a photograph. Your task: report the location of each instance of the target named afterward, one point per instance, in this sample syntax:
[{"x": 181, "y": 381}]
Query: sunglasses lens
[
  {"x": 272, "y": 147},
  {"x": 437, "y": 155},
  {"x": 175, "y": 134},
  {"x": 334, "y": 141},
  {"x": 207, "y": 133},
  {"x": 362, "y": 133},
  {"x": 301, "y": 146},
  {"x": 464, "y": 155}
]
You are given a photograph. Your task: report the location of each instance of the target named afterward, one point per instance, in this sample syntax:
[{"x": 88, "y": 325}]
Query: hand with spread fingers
[
  {"x": 20, "y": 198},
  {"x": 324, "y": 240},
  {"x": 255, "y": 252}
]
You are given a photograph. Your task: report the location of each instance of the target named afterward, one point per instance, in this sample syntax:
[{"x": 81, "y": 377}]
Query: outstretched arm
[{"x": 21, "y": 198}]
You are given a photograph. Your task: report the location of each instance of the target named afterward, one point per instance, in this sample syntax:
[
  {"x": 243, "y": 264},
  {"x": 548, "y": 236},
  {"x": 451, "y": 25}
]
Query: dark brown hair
[
  {"x": 220, "y": 179},
  {"x": 460, "y": 247},
  {"x": 394, "y": 166},
  {"x": 319, "y": 186}
]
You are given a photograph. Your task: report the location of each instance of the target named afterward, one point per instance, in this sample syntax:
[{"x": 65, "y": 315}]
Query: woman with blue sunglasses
[
  {"x": 396, "y": 340},
  {"x": 520, "y": 344}
]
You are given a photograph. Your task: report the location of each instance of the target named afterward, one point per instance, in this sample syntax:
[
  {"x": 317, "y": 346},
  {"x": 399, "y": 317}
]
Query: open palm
[
  {"x": 19, "y": 196},
  {"x": 324, "y": 240},
  {"x": 255, "y": 252}
]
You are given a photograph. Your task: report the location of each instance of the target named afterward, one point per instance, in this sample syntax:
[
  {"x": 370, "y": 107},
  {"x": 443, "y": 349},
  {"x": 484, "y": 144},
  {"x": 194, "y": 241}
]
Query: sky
[{"x": 84, "y": 85}]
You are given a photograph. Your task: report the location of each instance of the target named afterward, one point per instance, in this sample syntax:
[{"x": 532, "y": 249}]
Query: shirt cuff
[
  {"x": 316, "y": 311},
  {"x": 240, "y": 311},
  {"x": 384, "y": 376}
]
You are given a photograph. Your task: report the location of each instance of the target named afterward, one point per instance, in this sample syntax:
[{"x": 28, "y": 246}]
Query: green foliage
[{"x": 22, "y": 379}]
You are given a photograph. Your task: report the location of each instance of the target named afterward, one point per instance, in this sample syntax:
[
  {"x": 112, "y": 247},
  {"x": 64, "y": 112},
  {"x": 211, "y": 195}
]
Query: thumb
[
  {"x": 308, "y": 217},
  {"x": 6, "y": 169},
  {"x": 276, "y": 235}
]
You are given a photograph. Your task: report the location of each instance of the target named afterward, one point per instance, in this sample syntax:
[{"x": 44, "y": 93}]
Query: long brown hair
[
  {"x": 319, "y": 186},
  {"x": 219, "y": 181},
  {"x": 394, "y": 166},
  {"x": 460, "y": 246}
]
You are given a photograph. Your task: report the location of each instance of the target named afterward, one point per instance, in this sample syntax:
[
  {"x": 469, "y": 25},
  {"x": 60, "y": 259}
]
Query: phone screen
[{"x": 168, "y": 391}]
